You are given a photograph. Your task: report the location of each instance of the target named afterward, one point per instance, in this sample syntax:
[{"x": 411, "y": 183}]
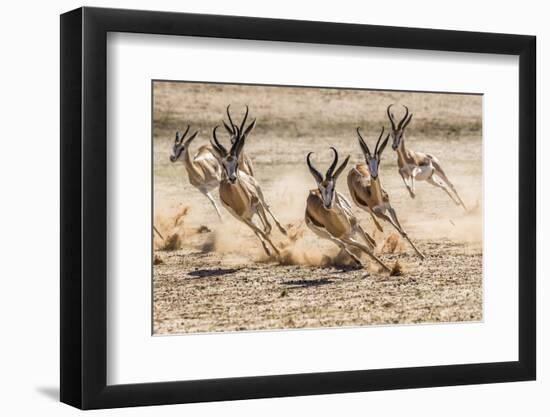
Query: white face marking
[
  {"x": 396, "y": 139},
  {"x": 177, "y": 150},
  {"x": 230, "y": 165},
  {"x": 373, "y": 167},
  {"x": 327, "y": 193}
]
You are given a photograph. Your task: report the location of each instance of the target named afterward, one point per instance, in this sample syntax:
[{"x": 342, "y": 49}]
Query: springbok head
[
  {"x": 181, "y": 143},
  {"x": 327, "y": 185},
  {"x": 373, "y": 159},
  {"x": 399, "y": 128},
  {"x": 229, "y": 160}
]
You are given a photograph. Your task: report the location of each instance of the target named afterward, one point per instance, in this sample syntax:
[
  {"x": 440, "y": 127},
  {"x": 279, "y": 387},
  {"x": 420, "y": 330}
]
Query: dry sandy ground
[{"x": 216, "y": 277}]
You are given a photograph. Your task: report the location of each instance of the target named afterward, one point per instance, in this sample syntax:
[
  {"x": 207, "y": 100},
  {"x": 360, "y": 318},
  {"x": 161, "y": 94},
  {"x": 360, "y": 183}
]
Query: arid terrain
[{"x": 214, "y": 276}]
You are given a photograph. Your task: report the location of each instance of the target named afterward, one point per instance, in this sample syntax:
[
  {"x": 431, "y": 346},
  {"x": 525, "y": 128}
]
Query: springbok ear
[
  {"x": 217, "y": 153},
  {"x": 193, "y": 136},
  {"x": 383, "y": 145},
  {"x": 363, "y": 144},
  {"x": 229, "y": 130},
  {"x": 249, "y": 128},
  {"x": 341, "y": 168},
  {"x": 407, "y": 121},
  {"x": 177, "y": 137}
]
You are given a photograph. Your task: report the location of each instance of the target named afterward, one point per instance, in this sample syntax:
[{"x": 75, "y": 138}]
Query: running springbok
[
  {"x": 329, "y": 214},
  {"x": 203, "y": 168},
  {"x": 245, "y": 163},
  {"x": 240, "y": 193},
  {"x": 418, "y": 166},
  {"x": 367, "y": 192}
]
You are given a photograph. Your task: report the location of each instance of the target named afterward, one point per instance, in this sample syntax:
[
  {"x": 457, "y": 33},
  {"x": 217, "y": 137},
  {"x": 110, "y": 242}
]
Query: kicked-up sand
[{"x": 211, "y": 276}]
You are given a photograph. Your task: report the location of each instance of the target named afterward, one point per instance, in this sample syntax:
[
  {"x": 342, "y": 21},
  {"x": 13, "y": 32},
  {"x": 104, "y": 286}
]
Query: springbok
[
  {"x": 367, "y": 192},
  {"x": 240, "y": 193},
  {"x": 329, "y": 214},
  {"x": 418, "y": 166},
  {"x": 203, "y": 169},
  {"x": 245, "y": 163}
]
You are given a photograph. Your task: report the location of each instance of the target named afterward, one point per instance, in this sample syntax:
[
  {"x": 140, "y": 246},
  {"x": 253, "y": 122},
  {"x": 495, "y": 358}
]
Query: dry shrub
[{"x": 157, "y": 260}]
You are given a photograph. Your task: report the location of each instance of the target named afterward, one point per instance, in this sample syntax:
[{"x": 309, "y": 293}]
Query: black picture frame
[{"x": 84, "y": 207}]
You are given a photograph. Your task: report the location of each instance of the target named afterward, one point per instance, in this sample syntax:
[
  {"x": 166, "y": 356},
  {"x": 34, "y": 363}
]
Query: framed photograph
[{"x": 259, "y": 208}]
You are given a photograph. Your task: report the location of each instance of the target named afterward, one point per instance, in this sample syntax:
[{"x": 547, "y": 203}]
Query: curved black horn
[
  {"x": 378, "y": 141},
  {"x": 241, "y": 129},
  {"x": 236, "y": 146},
  {"x": 229, "y": 117},
  {"x": 330, "y": 170},
  {"x": 390, "y": 115},
  {"x": 230, "y": 129},
  {"x": 407, "y": 121},
  {"x": 217, "y": 142},
  {"x": 341, "y": 168},
  {"x": 312, "y": 169},
  {"x": 182, "y": 137},
  {"x": 235, "y": 136},
  {"x": 404, "y": 118},
  {"x": 363, "y": 143},
  {"x": 239, "y": 144}
]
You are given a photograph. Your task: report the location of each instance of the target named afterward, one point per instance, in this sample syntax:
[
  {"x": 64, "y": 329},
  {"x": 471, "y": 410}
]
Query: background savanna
[{"x": 214, "y": 276}]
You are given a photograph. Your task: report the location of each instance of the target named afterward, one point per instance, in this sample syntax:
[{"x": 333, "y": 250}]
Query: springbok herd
[{"x": 328, "y": 213}]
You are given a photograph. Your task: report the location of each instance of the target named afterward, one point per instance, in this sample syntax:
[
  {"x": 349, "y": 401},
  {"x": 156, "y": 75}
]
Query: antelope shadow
[
  {"x": 206, "y": 273},
  {"x": 306, "y": 283}
]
